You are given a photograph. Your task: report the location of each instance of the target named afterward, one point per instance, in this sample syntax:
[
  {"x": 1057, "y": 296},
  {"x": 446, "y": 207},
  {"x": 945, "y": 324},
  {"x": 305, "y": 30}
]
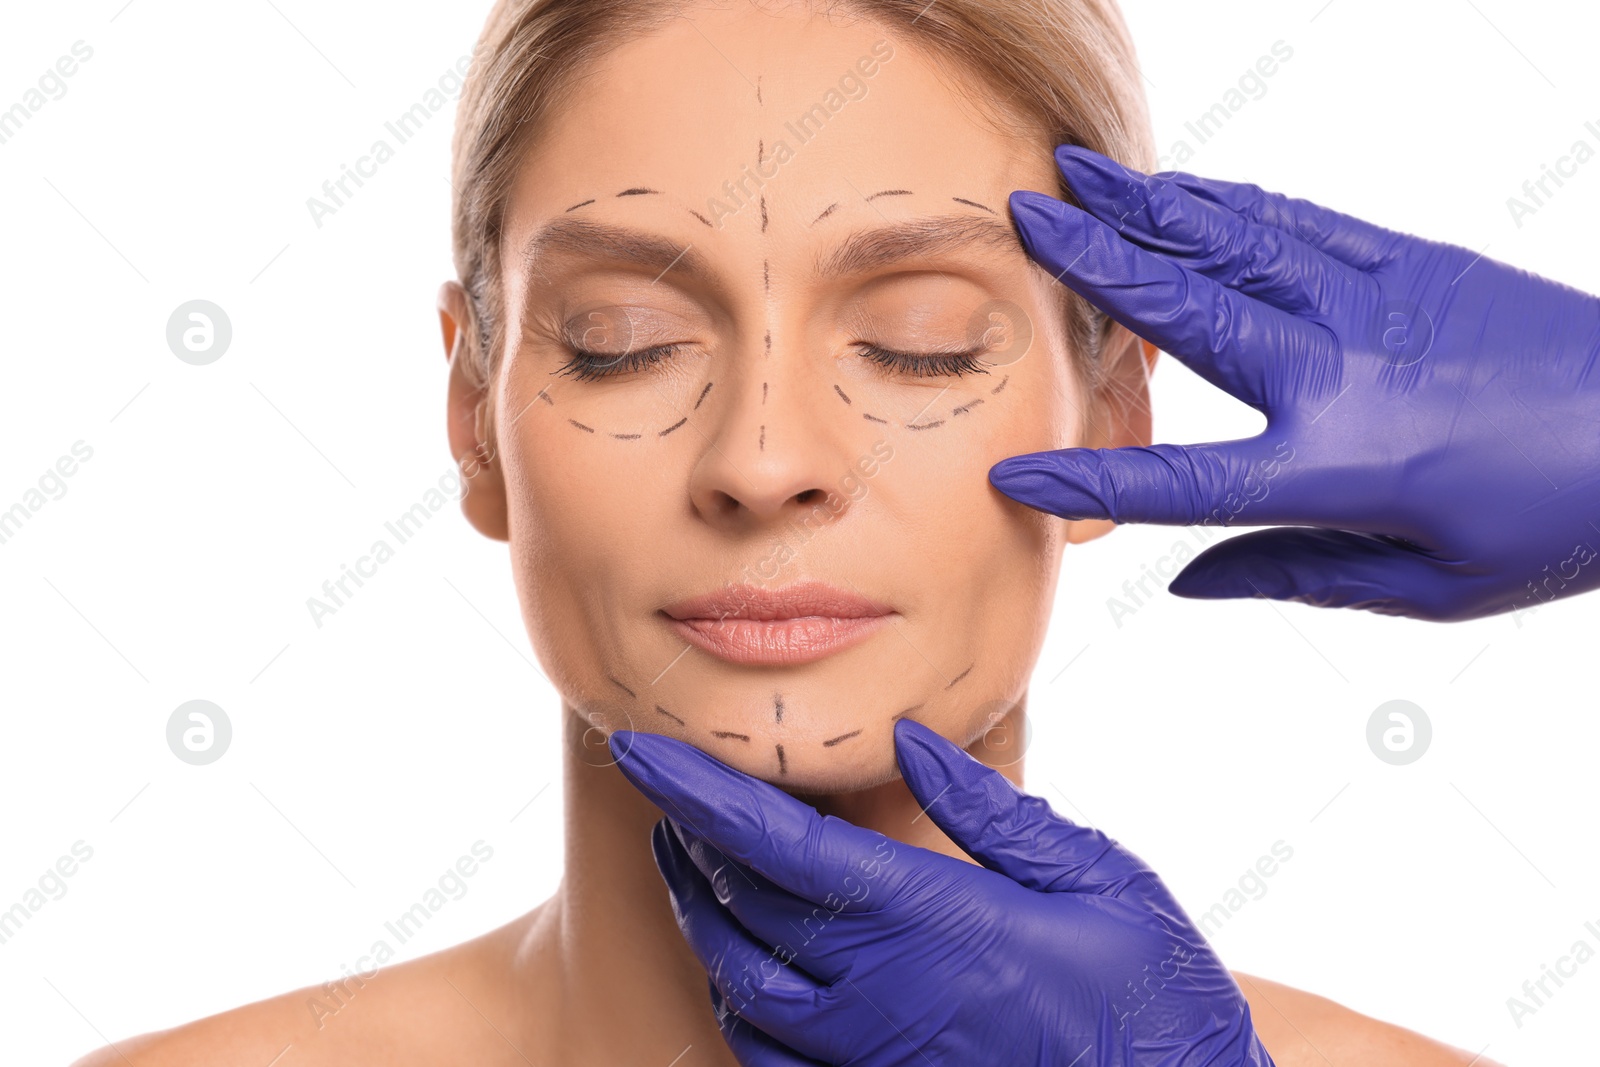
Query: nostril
[{"x": 809, "y": 496}]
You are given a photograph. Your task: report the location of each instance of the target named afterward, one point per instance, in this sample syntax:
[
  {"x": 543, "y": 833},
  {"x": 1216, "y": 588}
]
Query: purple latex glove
[
  {"x": 1433, "y": 416},
  {"x": 828, "y": 944}
]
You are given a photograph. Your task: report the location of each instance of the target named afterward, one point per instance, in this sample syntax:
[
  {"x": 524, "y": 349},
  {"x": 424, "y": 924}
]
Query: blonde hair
[{"x": 1062, "y": 71}]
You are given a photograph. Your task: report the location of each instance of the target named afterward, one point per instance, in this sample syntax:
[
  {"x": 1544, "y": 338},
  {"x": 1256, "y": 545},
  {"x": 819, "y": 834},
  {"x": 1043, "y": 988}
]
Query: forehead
[{"x": 765, "y": 122}]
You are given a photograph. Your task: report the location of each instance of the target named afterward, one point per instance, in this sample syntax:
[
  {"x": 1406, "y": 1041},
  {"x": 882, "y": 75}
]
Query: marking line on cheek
[
  {"x": 1001, "y": 386},
  {"x": 968, "y": 406},
  {"x": 777, "y": 707},
  {"x": 701, "y": 217},
  {"x": 575, "y": 207},
  {"x": 908, "y": 711},
  {"x": 627, "y": 436},
  {"x": 763, "y": 213},
  {"x": 783, "y": 765},
  {"x": 874, "y": 418},
  {"x": 842, "y": 396},
  {"x": 622, "y": 687},
  {"x": 729, "y": 735},
  {"x": 703, "y": 393},
  {"x": 763, "y": 392},
  {"x": 762, "y": 444},
  {"x": 925, "y": 408},
  {"x": 674, "y": 426},
  {"x": 936, "y": 423},
  {"x": 581, "y": 426},
  {"x": 830, "y": 742},
  {"x": 640, "y": 191},
  {"x": 663, "y": 711},
  {"x": 960, "y": 676}
]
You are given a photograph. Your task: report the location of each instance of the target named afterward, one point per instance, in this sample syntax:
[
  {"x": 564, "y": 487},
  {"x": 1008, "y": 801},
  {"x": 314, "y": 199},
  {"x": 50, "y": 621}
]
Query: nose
[{"x": 768, "y": 455}]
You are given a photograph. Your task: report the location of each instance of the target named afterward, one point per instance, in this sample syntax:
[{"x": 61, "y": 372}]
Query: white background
[{"x": 371, "y": 753}]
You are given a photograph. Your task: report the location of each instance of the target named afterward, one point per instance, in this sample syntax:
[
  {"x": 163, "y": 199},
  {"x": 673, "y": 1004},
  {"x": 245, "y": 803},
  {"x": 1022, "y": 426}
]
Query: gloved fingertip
[
  {"x": 1214, "y": 583},
  {"x": 1048, "y": 481},
  {"x": 1038, "y": 218}
]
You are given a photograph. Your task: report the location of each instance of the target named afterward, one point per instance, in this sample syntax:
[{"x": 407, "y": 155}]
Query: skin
[{"x": 605, "y": 527}]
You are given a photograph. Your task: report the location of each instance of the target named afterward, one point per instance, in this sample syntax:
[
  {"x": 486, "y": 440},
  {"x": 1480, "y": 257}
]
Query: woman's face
[{"x": 767, "y": 327}]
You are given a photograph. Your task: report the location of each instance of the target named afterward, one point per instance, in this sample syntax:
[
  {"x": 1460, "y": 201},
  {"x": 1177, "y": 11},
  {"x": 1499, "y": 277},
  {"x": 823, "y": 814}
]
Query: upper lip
[{"x": 798, "y": 601}]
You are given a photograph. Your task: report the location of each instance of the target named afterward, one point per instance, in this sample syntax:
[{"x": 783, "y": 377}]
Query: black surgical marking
[
  {"x": 1001, "y": 386},
  {"x": 890, "y": 192},
  {"x": 545, "y": 397},
  {"x": 908, "y": 711},
  {"x": 763, "y": 392},
  {"x": 730, "y": 735},
  {"x": 701, "y": 217},
  {"x": 575, "y": 207},
  {"x": 674, "y": 426},
  {"x": 768, "y": 350},
  {"x": 638, "y": 192},
  {"x": 766, "y": 277},
  {"x": 841, "y": 393},
  {"x": 973, "y": 203},
  {"x": 777, "y": 707},
  {"x": 762, "y": 445},
  {"x": 663, "y": 711},
  {"x": 968, "y": 406},
  {"x": 783, "y": 766},
  {"x": 627, "y": 436},
  {"x": 761, "y": 150},
  {"x": 926, "y": 425},
  {"x": 830, "y": 742},
  {"x": 581, "y": 426},
  {"x": 622, "y": 687},
  {"x": 758, "y": 88},
  {"x": 763, "y": 213},
  {"x": 703, "y": 393},
  {"x": 874, "y": 418},
  {"x": 960, "y": 676},
  {"x": 825, "y": 214}
]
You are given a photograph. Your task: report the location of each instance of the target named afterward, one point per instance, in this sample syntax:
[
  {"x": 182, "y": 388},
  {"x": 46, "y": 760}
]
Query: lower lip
[{"x": 777, "y": 642}]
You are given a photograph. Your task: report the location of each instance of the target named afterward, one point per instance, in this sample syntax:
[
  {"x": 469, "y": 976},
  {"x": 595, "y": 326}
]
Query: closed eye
[{"x": 924, "y": 364}]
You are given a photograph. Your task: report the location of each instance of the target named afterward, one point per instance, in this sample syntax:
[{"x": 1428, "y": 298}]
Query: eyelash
[
  {"x": 924, "y": 365},
  {"x": 586, "y": 366}
]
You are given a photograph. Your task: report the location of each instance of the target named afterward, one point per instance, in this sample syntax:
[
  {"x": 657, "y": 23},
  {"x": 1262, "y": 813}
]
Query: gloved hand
[
  {"x": 828, "y": 943},
  {"x": 1433, "y": 416}
]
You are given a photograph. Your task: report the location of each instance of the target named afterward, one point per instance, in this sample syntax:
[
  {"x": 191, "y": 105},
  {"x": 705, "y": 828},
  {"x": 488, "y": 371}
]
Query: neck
[{"x": 610, "y": 935}]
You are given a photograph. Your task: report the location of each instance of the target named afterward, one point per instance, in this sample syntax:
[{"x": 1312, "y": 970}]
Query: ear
[
  {"x": 1122, "y": 411},
  {"x": 483, "y": 486}
]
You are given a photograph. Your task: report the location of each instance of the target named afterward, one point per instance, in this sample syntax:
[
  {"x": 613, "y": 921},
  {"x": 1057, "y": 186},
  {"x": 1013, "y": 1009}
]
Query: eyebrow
[{"x": 927, "y": 237}]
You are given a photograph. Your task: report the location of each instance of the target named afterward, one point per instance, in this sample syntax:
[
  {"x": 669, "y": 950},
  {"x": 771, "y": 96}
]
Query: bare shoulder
[
  {"x": 451, "y": 1006},
  {"x": 1302, "y": 1028}
]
